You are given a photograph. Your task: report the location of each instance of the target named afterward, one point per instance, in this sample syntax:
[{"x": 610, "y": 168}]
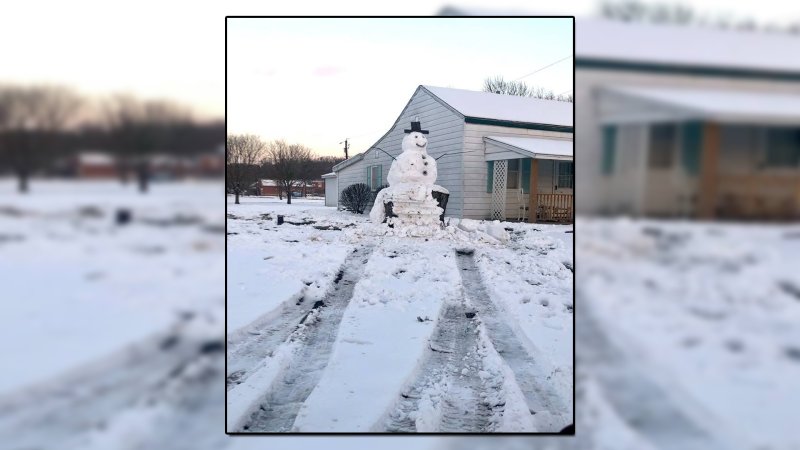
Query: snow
[
  {"x": 721, "y": 104},
  {"x": 487, "y": 105},
  {"x": 267, "y": 273},
  {"x": 706, "y": 315},
  {"x": 77, "y": 287},
  {"x": 687, "y": 332},
  {"x": 532, "y": 283},
  {"x": 686, "y": 45},
  {"x": 382, "y": 344},
  {"x": 536, "y": 147}
]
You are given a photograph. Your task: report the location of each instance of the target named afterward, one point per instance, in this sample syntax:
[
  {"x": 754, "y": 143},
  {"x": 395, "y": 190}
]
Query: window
[
  {"x": 783, "y": 147},
  {"x": 513, "y": 174},
  {"x": 609, "y": 147},
  {"x": 662, "y": 146},
  {"x": 374, "y": 177},
  {"x": 566, "y": 178}
]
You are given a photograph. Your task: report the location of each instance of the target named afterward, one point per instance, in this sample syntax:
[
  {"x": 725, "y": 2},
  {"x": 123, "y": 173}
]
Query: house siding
[
  {"x": 477, "y": 202},
  {"x": 446, "y": 135}
]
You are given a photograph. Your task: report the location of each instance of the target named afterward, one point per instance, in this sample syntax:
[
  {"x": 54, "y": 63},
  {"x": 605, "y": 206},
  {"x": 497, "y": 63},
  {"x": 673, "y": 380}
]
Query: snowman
[{"x": 411, "y": 178}]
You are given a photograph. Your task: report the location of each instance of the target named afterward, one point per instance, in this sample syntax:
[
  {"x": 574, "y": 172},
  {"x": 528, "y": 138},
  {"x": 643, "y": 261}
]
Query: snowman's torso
[{"x": 414, "y": 165}]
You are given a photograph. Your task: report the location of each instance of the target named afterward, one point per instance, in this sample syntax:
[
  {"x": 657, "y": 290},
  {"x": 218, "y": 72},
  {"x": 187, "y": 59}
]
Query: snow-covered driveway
[{"x": 333, "y": 327}]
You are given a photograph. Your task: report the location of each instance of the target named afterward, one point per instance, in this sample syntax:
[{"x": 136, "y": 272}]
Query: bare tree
[
  {"x": 290, "y": 164},
  {"x": 139, "y": 128},
  {"x": 32, "y": 122},
  {"x": 498, "y": 85},
  {"x": 244, "y": 153}
]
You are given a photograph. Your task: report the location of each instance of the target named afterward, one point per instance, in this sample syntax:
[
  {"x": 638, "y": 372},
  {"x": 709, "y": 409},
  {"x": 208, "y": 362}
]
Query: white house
[
  {"x": 695, "y": 122},
  {"x": 500, "y": 156}
]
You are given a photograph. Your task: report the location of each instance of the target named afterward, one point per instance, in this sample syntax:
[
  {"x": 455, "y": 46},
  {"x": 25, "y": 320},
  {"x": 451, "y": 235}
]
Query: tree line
[
  {"x": 42, "y": 125},
  {"x": 249, "y": 159},
  {"x": 499, "y": 85}
]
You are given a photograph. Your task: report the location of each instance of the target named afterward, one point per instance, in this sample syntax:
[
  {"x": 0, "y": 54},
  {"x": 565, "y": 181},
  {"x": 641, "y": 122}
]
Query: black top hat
[{"x": 416, "y": 127}]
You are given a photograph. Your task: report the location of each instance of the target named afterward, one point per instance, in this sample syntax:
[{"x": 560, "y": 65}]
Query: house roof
[
  {"x": 348, "y": 161},
  {"x": 529, "y": 147},
  {"x": 329, "y": 175},
  {"x": 493, "y": 109},
  {"x": 685, "y": 45},
  {"x": 671, "y": 104},
  {"x": 512, "y": 108}
]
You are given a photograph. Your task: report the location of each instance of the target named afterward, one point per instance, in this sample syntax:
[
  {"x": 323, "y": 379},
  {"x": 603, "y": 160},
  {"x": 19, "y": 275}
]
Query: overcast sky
[{"x": 319, "y": 81}]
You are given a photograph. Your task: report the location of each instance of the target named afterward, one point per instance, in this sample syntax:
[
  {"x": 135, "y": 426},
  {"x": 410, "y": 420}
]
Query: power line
[{"x": 545, "y": 67}]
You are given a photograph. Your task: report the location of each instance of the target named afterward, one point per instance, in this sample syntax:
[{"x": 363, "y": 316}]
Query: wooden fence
[{"x": 555, "y": 208}]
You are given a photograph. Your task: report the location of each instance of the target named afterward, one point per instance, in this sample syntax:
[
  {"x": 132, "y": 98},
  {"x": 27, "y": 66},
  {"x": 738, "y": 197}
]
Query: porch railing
[
  {"x": 754, "y": 196},
  {"x": 554, "y": 208}
]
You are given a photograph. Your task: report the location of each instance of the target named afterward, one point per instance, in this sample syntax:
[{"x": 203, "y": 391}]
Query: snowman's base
[
  {"x": 417, "y": 218},
  {"x": 412, "y": 209}
]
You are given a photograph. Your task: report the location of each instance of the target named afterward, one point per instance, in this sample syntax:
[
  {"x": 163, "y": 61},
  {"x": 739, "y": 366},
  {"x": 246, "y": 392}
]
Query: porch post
[
  {"x": 533, "y": 191},
  {"x": 708, "y": 171},
  {"x": 499, "y": 183}
]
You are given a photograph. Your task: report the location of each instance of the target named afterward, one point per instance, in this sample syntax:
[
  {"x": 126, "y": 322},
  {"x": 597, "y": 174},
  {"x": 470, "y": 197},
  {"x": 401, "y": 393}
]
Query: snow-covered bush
[{"x": 356, "y": 197}]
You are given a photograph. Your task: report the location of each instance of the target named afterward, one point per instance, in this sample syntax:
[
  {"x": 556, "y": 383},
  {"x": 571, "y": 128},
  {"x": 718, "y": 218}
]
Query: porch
[
  {"x": 708, "y": 154},
  {"x": 530, "y": 179}
]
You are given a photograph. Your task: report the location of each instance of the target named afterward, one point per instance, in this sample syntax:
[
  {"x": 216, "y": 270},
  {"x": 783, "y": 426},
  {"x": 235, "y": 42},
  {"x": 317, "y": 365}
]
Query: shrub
[
  {"x": 380, "y": 188},
  {"x": 356, "y": 197}
]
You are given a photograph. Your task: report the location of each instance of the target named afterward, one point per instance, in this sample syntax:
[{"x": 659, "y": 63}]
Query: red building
[{"x": 313, "y": 188}]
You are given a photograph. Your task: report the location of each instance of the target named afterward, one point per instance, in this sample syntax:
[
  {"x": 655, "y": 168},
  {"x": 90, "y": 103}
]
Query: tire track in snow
[
  {"x": 452, "y": 348},
  {"x": 645, "y": 406},
  {"x": 246, "y": 357},
  {"x": 282, "y": 400},
  {"x": 538, "y": 395},
  {"x": 158, "y": 371}
]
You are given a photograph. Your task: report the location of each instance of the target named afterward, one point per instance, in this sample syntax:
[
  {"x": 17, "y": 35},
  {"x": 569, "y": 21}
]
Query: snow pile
[
  {"x": 429, "y": 414},
  {"x": 493, "y": 231}
]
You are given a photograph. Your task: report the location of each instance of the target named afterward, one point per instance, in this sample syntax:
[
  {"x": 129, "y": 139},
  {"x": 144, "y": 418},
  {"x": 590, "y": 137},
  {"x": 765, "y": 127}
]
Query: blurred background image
[{"x": 112, "y": 225}]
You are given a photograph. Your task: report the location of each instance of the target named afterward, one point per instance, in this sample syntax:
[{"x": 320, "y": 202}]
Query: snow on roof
[
  {"x": 486, "y": 105},
  {"x": 718, "y": 104},
  {"x": 95, "y": 158},
  {"x": 535, "y": 147},
  {"x": 686, "y": 45},
  {"x": 329, "y": 175},
  {"x": 268, "y": 183}
]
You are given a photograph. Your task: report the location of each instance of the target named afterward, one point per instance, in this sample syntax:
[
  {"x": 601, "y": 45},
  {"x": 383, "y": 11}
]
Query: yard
[{"x": 325, "y": 311}]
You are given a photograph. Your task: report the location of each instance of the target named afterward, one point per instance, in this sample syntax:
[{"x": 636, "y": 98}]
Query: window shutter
[
  {"x": 692, "y": 147},
  {"x": 369, "y": 176},
  {"x": 609, "y": 149},
  {"x": 489, "y": 176},
  {"x": 526, "y": 176},
  {"x": 380, "y": 176}
]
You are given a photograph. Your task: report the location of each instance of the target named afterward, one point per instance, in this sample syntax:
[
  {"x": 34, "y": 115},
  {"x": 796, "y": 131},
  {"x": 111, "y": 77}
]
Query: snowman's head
[{"x": 415, "y": 141}]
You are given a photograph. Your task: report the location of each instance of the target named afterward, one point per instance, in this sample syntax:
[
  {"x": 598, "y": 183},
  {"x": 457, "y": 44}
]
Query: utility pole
[{"x": 346, "y": 147}]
